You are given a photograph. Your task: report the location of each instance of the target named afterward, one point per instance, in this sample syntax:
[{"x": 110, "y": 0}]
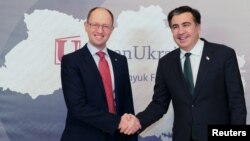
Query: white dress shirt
[{"x": 195, "y": 58}]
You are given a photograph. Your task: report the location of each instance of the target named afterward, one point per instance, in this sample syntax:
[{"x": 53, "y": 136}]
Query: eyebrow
[
  {"x": 186, "y": 23},
  {"x": 181, "y": 23}
]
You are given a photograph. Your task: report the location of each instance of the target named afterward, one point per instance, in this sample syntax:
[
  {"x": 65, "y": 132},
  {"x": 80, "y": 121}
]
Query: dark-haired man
[{"x": 202, "y": 79}]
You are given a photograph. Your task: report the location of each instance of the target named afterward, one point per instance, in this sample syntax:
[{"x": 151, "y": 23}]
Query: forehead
[
  {"x": 182, "y": 18},
  {"x": 100, "y": 15}
]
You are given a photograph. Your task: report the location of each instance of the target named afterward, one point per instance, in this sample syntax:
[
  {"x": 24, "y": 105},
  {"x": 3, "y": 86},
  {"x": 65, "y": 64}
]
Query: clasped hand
[{"x": 129, "y": 124}]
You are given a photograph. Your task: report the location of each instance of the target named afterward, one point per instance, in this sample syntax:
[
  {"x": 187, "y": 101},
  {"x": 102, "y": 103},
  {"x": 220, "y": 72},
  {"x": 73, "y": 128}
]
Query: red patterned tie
[{"x": 106, "y": 80}]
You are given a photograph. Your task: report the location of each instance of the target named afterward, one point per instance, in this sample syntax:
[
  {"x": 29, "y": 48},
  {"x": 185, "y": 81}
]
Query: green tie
[
  {"x": 188, "y": 74},
  {"x": 189, "y": 80}
]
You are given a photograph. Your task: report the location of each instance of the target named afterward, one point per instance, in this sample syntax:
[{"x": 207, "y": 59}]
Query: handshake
[{"x": 129, "y": 124}]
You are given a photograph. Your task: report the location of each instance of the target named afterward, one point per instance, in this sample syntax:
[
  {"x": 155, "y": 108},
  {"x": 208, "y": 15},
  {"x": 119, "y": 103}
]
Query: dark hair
[
  {"x": 93, "y": 9},
  {"x": 183, "y": 9}
]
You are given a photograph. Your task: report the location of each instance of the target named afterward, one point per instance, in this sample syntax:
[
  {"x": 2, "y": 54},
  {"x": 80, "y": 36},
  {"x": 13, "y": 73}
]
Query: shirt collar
[
  {"x": 197, "y": 50},
  {"x": 93, "y": 50}
]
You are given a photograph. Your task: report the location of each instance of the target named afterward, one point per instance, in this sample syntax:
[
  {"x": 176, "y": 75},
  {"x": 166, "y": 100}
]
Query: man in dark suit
[
  {"x": 205, "y": 85},
  {"x": 92, "y": 116}
]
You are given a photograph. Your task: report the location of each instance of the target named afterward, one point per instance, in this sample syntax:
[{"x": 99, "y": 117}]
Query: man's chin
[{"x": 99, "y": 45}]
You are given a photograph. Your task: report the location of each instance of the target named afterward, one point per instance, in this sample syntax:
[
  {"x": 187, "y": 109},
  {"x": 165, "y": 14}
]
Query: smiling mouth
[
  {"x": 183, "y": 38},
  {"x": 99, "y": 36}
]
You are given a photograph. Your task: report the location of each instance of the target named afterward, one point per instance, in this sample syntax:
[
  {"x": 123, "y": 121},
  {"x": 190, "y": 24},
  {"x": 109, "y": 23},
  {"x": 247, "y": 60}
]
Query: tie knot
[
  {"x": 101, "y": 54},
  {"x": 188, "y": 54}
]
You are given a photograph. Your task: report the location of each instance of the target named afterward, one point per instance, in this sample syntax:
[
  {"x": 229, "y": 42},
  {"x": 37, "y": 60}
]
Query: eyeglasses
[{"x": 104, "y": 27}]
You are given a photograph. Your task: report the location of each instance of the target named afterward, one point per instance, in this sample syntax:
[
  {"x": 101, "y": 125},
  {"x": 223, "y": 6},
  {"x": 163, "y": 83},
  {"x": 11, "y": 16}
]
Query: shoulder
[
  {"x": 219, "y": 51},
  {"x": 217, "y": 46},
  {"x": 76, "y": 55},
  {"x": 171, "y": 56},
  {"x": 116, "y": 55}
]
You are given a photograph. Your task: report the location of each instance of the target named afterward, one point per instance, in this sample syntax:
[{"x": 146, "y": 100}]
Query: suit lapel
[
  {"x": 204, "y": 67},
  {"x": 179, "y": 73},
  {"x": 115, "y": 65},
  {"x": 89, "y": 60}
]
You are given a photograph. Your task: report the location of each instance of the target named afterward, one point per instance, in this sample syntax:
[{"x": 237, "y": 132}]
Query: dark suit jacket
[
  {"x": 218, "y": 96},
  {"x": 88, "y": 118}
]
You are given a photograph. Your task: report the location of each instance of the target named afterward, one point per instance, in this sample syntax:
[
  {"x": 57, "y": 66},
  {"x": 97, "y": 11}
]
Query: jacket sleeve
[{"x": 235, "y": 92}]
